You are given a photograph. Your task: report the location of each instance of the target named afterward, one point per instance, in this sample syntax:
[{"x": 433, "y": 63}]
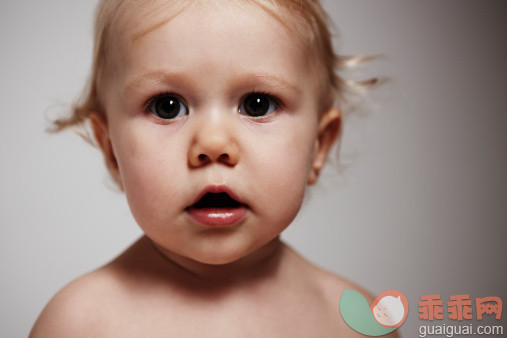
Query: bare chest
[{"x": 296, "y": 317}]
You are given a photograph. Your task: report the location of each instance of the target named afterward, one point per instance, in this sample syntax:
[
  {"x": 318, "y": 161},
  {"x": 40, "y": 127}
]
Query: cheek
[
  {"x": 150, "y": 164},
  {"x": 283, "y": 163}
]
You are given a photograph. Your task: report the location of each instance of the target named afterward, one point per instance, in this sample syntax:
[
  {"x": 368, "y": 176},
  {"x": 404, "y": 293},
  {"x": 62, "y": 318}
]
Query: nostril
[
  {"x": 203, "y": 158},
  {"x": 224, "y": 158}
]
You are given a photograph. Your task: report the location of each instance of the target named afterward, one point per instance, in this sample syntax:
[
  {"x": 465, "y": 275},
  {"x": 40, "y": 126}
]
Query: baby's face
[{"x": 217, "y": 100}]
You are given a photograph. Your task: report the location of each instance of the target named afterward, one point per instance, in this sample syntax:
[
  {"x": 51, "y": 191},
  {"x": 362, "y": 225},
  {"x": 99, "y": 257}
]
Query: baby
[{"x": 213, "y": 117}]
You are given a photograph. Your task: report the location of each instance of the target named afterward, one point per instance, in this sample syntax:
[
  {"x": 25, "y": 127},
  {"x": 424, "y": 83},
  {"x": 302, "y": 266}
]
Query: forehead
[
  {"x": 141, "y": 17},
  {"x": 206, "y": 37}
]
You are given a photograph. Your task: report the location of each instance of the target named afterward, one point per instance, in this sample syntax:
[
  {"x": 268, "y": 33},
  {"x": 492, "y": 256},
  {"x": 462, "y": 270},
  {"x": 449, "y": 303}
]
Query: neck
[{"x": 251, "y": 269}]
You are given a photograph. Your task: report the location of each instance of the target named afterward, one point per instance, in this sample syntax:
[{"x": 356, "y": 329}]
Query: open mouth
[
  {"x": 216, "y": 200},
  {"x": 217, "y": 209}
]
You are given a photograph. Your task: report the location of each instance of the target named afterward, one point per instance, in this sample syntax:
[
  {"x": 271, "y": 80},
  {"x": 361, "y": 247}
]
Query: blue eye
[
  {"x": 168, "y": 107},
  {"x": 258, "y": 104}
]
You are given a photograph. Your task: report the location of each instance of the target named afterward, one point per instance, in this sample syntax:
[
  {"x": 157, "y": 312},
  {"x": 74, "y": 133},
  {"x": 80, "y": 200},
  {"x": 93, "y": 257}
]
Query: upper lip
[{"x": 216, "y": 189}]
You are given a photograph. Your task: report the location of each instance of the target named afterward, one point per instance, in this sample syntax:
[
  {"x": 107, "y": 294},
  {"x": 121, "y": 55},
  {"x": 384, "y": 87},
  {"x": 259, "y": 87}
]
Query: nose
[{"x": 214, "y": 141}]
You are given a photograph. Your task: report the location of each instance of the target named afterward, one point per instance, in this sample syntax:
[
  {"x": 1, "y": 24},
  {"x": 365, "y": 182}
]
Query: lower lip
[{"x": 218, "y": 216}]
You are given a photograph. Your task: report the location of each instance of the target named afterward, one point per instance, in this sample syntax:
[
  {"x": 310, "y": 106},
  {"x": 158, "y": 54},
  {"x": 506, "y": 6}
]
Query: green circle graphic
[{"x": 356, "y": 313}]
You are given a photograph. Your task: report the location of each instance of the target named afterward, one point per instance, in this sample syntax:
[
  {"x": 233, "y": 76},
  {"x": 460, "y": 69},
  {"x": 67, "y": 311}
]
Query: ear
[
  {"x": 329, "y": 130},
  {"x": 101, "y": 133}
]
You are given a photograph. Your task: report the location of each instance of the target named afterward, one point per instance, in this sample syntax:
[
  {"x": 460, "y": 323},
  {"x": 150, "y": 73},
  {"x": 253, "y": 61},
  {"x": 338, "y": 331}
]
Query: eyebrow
[
  {"x": 156, "y": 77},
  {"x": 276, "y": 82}
]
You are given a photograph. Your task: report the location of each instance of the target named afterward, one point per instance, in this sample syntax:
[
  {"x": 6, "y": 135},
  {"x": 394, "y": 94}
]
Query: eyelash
[
  {"x": 152, "y": 99},
  {"x": 149, "y": 102},
  {"x": 273, "y": 97}
]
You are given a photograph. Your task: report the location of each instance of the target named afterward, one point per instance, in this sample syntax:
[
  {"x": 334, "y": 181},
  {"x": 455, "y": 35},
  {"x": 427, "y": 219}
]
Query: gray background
[{"x": 421, "y": 207}]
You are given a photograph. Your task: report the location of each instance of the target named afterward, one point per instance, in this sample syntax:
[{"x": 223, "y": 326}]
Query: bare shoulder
[
  {"x": 103, "y": 302},
  {"x": 79, "y": 308},
  {"x": 330, "y": 287},
  {"x": 333, "y": 285}
]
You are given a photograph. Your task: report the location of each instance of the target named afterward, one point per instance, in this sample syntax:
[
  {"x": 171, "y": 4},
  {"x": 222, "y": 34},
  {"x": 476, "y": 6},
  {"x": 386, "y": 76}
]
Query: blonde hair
[{"x": 305, "y": 18}]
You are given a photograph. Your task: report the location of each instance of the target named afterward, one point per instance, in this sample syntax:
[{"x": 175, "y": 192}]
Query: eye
[
  {"x": 168, "y": 106},
  {"x": 258, "y": 104}
]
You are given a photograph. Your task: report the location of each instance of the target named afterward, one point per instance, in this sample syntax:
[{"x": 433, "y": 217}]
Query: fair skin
[{"x": 221, "y": 275}]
